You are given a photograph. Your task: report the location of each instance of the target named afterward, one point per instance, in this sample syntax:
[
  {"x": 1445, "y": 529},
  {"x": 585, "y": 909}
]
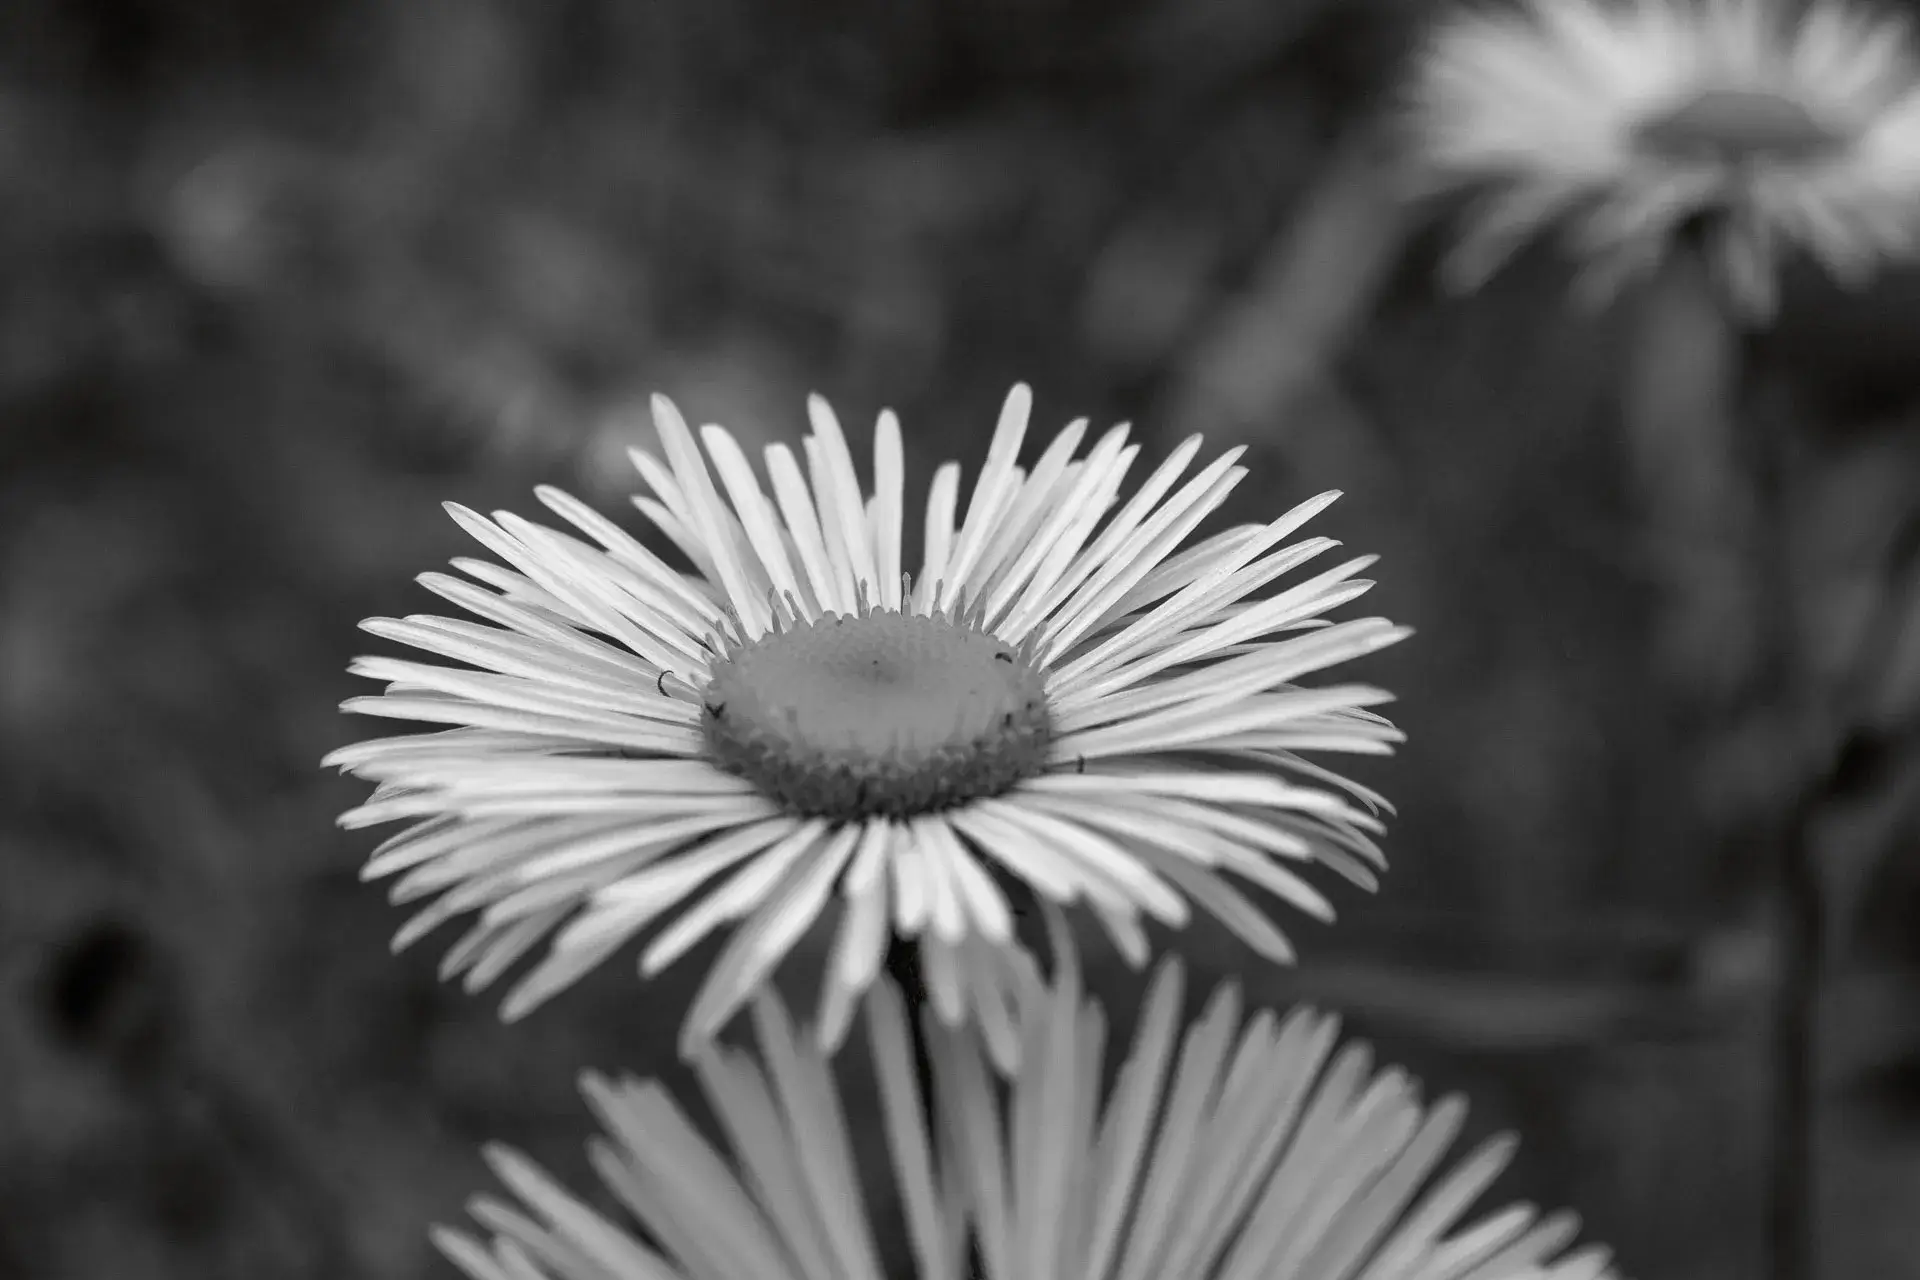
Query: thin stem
[
  {"x": 1693, "y": 426},
  {"x": 1793, "y": 1189},
  {"x": 903, "y": 968}
]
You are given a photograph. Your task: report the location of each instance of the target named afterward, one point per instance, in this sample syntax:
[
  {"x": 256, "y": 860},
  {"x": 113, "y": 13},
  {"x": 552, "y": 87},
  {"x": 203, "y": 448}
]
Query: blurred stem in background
[
  {"x": 1315, "y": 285},
  {"x": 1715, "y": 471},
  {"x": 1793, "y": 1200}
]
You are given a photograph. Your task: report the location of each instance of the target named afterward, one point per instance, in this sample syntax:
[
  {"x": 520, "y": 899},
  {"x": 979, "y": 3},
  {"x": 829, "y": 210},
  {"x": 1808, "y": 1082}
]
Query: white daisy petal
[
  {"x": 805, "y": 1086},
  {"x": 1324, "y": 591},
  {"x": 764, "y": 940},
  {"x": 698, "y": 1204},
  {"x": 1039, "y": 496},
  {"x": 1100, "y": 485},
  {"x": 710, "y": 520},
  {"x": 1051, "y": 874},
  {"x": 1185, "y": 636},
  {"x": 978, "y": 897},
  {"x": 1144, "y": 548},
  {"x": 1198, "y": 594},
  {"x": 505, "y": 943},
  {"x": 517, "y": 588},
  {"x": 843, "y": 513},
  {"x": 1124, "y": 930},
  {"x": 942, "y": 499},
  {"x": 753, "y": 1121},
  {"x": 999, "y": 990},
  {"x": 924, "y": 1200},
  {"x": 1184, "y": 849},
  {"x": 611, "y": 731},
  {"x": 912, "y": 894},
  {"x": 947, "y": 901},
  {"x": 993, "y": 494},
  {"x": 745, "y": 890},
  {"x": 683, "y": 536},
  {"x": 556, "y": 690},
  {"x": 568, "y": 639},
  {"x": 1256, "y": 719},
  {"x": 889, "y": 482},
  {"x": 1107, "y": 547},
  {"x": 1177, "y": 570},
  {"x": 546, "y": 558},
  {"x": 831, "y": 581},
  {"x": 1103, "y": 861},
  {"x": 946, "y": 984},
  {"x": 861, "y": 947},
  {"x": 697, "y": 612},
  {"x": 757, "y": 516},
  {"x": 591, "y": 669},
  {"x": 1071, "y": 503}
]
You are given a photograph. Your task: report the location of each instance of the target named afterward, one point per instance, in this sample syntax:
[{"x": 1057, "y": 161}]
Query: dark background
[{"x": 275, "y": 281}]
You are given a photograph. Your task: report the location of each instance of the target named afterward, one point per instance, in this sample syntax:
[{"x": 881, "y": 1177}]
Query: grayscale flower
[
  {"x": 1240, "y": 1150},
  {"x": 1629, "y": 124},
  {"x": 1068, "y": 701}
]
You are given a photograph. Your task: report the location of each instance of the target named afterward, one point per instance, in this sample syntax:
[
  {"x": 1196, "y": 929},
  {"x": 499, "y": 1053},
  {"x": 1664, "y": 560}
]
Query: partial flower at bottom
[
  {"x": 1069, "y": 703},
  {"x": 1243, "y": 1149}
]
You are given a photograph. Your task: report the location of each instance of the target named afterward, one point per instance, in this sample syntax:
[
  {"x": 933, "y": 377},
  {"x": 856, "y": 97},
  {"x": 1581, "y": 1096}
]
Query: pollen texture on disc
[{"x": 883, "y": 715}]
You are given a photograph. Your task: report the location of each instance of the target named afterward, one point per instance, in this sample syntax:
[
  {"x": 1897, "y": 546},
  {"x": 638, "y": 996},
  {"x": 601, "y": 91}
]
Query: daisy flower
[
  {"x": 1239, "y": 1150},
  {"x": 1069, "y": 702},
  {"x": 1634, "y": 122}
]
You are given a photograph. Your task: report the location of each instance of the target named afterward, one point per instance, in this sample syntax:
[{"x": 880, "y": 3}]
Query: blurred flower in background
[
  {"x": 1063, "y": 700},
  {"x": 1635, "y": 124},
  {"x": 1238, "y": 1149}
]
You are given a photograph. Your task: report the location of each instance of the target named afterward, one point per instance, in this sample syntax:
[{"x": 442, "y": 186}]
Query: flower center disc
[
  {"x": 886, "y": 714},
  {"x": 1738, "y": 126}
]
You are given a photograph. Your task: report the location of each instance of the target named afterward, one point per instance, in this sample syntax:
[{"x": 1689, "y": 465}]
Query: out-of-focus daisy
[
  {"x": 1068, "y": 701},
  {"x": 1237, "y": 1151},
  {"x": 1633, "y": 122},
  {"x": 784, "y": 1199}
]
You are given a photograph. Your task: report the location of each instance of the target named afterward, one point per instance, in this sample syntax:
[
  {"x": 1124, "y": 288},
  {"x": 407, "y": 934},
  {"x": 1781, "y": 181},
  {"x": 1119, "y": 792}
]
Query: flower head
[
  {"x": 1634, "y": 122},
  {"x": 1255, "y": 1150},
  {"x": 1068, "y": 702}
]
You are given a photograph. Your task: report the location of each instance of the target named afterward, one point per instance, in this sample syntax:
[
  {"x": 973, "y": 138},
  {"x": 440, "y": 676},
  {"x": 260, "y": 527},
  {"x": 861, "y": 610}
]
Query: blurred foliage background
[{"x": 278, "y": 280}]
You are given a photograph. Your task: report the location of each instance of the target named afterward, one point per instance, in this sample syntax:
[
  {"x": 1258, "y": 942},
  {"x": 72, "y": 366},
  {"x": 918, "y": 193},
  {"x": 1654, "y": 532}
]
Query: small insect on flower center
[
  {"x": 884, "y": 714},
  {"x": 1738, "y": 126}
]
